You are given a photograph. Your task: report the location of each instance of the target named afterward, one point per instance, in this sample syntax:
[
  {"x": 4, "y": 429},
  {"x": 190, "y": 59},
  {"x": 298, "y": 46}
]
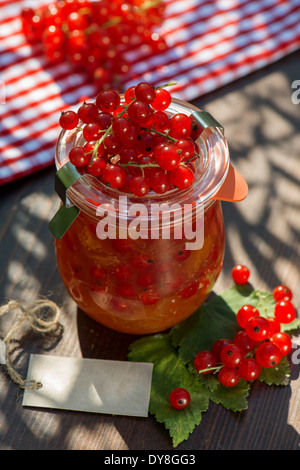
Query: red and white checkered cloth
[{"x": 211, "y": 43}]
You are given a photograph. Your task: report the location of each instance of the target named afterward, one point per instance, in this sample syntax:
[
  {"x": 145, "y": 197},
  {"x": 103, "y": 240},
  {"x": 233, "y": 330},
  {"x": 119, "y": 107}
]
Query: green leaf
[
  {"x": 170, "y": 373},
  {"x": 149, "y": 348},
  {"x": 278, "y": 375},
  {"x": 232, "y": 398}
]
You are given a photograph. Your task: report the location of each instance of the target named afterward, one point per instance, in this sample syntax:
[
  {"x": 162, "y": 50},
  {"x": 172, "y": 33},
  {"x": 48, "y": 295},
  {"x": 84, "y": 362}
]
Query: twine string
[{"x": 42, "y": 324}]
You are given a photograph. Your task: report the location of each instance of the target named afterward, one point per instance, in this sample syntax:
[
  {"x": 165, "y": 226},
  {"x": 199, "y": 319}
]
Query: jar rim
[{"x": 88, "y": 192}]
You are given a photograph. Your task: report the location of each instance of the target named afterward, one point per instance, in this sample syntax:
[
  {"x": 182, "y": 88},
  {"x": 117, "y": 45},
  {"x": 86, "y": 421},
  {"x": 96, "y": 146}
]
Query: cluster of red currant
[
  {"x": 259, "y": 343},
  {"x": 95, "y": 35},
  {"x": 133, "y": 144}
]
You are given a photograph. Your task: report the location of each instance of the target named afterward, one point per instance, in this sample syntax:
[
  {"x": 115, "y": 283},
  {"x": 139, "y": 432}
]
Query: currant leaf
[
  {"x": 232, "y": 398},
  {"x": 278, "y": 375}
]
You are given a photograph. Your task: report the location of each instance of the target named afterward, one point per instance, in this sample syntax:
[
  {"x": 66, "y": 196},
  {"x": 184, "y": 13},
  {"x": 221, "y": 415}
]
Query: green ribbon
[{"x": 68, "y": 212}]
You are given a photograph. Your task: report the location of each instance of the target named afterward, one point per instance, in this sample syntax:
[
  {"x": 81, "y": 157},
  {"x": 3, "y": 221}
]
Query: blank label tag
[{"x": 92, "y": 385}]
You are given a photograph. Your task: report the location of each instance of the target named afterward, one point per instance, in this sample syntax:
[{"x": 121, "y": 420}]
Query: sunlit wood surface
[{"x": 262, "y": 126}]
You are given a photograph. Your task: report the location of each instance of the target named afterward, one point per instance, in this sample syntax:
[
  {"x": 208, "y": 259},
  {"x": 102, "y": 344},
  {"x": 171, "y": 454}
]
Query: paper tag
[
  {"x": 2, "y": 352},
  {"x": 92, "y": 385}
]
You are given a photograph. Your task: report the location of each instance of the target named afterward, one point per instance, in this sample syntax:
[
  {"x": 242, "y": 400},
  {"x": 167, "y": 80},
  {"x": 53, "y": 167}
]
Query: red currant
[
  {"x": 160, "y": 121},
  {"x": 258, "y": 328},
  {"x": 87, "y": 112},
  {"x": 186, "y": 147},
  {"x": 268, "y": 354},
  {"x": 160, "y": 182},
  {"x": 205, "y": 360},
  {"x": 139, "y": 186},
  {"x": 168, "y": 157},
  {"x": 122, "y": 273},
  {"x": 126, "y": 289},
  {"x": 97, "y": 272},
  {"x": 249, "y": 369},
  {"x": 162, "y": 100},
  {"x": 240, "y": 274},
  {"x": 112, "y": 144},
  {"x": 78, "y": 157},
  {"x": 138, "y": 111},
  {"x": 179, "y": 398},
  {"x": 145, "y": 92},
  {"x": 91, "y": 131},
  {"x": 232, "y": 355},
  {"x": 149, "y": 297},
  {"x": 285, "y": 311},
  {"x": 274, "y": 325},
  {"x": 242, "y": 340},
  {"x": 108, "y": 100},
  {"x": 182, "y": 177},
  {"x": 218, "y": 346},
  {"x": 114, "y": 175},
  {"x": 129, "y": 94},
  {"x": 147, "y": 277},
  {"x": 104, "y": 120},
  {"x": 68, "y": 120},
  {"x": 180, "y": 126},
  {"x": 245, "y": 313},
  {"x": 96, "y": 166},
  {"x": 283, "y": 341},
  {"x": 228, "y": 377},
  {"x": 282, "y": 292}
]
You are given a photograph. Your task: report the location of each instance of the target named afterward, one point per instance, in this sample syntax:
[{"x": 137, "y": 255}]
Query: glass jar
[{"x": 146, "y": 282}]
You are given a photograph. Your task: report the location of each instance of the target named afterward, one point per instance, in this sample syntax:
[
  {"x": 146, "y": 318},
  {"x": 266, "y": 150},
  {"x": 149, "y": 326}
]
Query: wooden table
[{"x": 263, "y": 130}]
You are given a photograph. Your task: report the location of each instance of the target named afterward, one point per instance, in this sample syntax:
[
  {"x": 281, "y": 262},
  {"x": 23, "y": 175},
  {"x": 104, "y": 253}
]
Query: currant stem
[
  {"x": 160, "y": 133},
  {"x": 166, "y": 85},
  {"x": 140, "y": 165},
  {"x": 209, "y": 369}
]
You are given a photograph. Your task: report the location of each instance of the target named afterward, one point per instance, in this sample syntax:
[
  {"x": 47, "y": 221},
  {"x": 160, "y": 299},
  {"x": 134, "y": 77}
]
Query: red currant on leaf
[
  {"x": 249, "y": 369},
  {"x": 228, "y": 377},
  {"x": 232, "y": 355},
  {"x": 258, "y": 328},
  {"x": 179, "y": 398},
  {"x": 245, "y": 313},
  {"x": 218, "y": 346},
  {"x": 283, "y": 341},
  {"x": 268, "y": 354},
  {"x": 205, "y": 360},
  {"x": 242, "y": 340}
]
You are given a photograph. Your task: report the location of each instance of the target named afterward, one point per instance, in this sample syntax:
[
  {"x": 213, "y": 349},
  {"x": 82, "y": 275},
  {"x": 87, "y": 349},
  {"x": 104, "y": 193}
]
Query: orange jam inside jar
[{"x": 145, "y": 284}]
